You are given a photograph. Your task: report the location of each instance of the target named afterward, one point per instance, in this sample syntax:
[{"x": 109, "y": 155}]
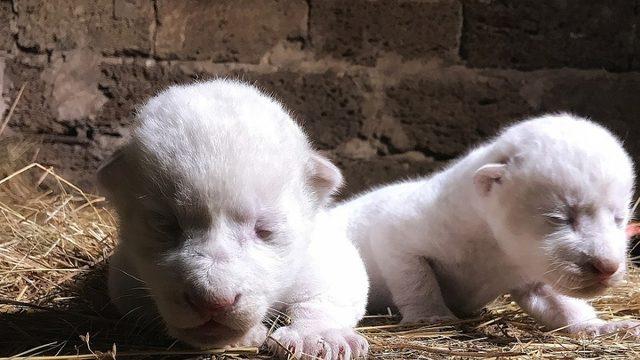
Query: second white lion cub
[{"x": 539, "y": 212}]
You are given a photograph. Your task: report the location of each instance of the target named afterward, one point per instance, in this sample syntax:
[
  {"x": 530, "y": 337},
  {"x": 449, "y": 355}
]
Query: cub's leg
[
  {"x": 415, "y": 290},
  {"x": 556, "y": 311}
]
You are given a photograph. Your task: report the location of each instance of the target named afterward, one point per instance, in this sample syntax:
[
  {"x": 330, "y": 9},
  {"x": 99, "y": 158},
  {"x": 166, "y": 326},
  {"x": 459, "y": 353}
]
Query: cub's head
[
  {"x": 557, "y": 199},
  {"x": 216, "y": 195}
]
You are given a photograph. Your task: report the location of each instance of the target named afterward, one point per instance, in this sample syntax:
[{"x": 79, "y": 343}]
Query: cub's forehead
[
  {"x": 241, "y": 189},
  {"x": 221, "y": 140},
  {"x": 586, "y": 194},
  {"x": 566, "y": 157},
  {"x": 556, "y": 184},
  {"x": 217, "y": 119},
  {"x": 240, "y": 199},
  {"x": 568, "y": 147}
]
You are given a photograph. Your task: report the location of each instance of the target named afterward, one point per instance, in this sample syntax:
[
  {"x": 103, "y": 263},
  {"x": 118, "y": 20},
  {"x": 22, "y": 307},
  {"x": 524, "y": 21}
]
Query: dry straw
[{"x": 55, "y": 240}]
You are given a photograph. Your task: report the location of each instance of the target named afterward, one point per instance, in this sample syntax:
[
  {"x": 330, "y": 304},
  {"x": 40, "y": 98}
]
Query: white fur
[
  {"x": 211, "y": 166},
  {"x": 497, "y": 221}
]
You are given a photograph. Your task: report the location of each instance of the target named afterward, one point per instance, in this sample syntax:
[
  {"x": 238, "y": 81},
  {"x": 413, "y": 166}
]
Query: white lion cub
[
  {"x": 223, "y": 225},
  {"x": 539, "y": 212}
]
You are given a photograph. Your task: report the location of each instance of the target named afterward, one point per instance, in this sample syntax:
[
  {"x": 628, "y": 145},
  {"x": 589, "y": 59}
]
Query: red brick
[
  {"x": 32, "y": 114},
  {"x": 328, "y": 105},
  {"x": 609, "y": 99},
  {"x": 113, "y": 27},
  {"x": 227, "y": 30},
  {"x": 129, "y": 86},
  {"x": 531, "y": 34},
  {"x": 6, "y": 18},
  {"x": 362, "y": 30},
  {"x": 445, "y": 112}
]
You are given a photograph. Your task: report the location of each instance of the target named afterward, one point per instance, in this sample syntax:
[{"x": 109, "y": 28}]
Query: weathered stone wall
[{"x": 390, "y": 89}]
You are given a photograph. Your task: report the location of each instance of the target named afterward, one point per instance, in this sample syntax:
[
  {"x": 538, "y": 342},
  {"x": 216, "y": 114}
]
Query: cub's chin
[
  {"x": 210, "y": 334},
  {"x": 585, "y": 289},
  {"x": 225, "y": 330},
  {"x": 586, "y": 292}
]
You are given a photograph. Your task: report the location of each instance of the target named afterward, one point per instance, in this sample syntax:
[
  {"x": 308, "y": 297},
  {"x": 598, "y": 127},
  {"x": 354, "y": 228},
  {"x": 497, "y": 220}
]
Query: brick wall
[{"x": 389, "y": 88}]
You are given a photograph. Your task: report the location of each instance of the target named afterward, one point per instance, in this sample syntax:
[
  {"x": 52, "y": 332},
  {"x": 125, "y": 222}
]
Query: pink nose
[
  {"x": 605, "y": 268},
  {"x": 210, "y": 304}
]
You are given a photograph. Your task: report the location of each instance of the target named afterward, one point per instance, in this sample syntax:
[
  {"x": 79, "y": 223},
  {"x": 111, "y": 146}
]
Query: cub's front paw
[
  {"x": 331, "y": 344},
  {"x": 601, "y": 327},
  {"x": 346, "y": 343}
]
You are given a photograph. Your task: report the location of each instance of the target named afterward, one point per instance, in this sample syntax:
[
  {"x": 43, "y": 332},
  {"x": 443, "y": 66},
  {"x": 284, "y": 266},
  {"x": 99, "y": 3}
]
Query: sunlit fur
[
  {"x": 209, "y": 164},
  {"x": 526, "y": 213}
]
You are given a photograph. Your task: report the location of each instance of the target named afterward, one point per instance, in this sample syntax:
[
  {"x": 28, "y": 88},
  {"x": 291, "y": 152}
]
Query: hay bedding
[{"x": 55, "y": 241}]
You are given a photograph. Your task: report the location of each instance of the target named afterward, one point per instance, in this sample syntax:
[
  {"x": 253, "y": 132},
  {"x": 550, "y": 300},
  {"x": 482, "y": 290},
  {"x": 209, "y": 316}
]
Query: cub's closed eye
[
  {"x": 266, "y": 226},
  {"x": 262, "y": 233},
  {"x": 559, "y": 219},
  {"x": 619, "y": 220},
  {"x": 164, "y": 224}
]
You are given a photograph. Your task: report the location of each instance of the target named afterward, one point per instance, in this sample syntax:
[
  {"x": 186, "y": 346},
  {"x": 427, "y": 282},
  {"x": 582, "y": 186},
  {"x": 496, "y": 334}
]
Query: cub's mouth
[
  {"x": 218, "y": 327},
  {"x": 582, "y": 280}
]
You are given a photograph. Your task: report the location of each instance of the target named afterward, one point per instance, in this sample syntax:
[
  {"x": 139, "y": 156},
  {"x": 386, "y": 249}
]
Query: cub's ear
[
  {"x": 323, "y": 177},
  {"x": 487, "y": 176}
]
